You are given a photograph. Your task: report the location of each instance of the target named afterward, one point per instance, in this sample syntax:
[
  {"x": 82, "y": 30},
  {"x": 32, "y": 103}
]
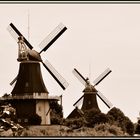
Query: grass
[{"x": 57, "y": 131}]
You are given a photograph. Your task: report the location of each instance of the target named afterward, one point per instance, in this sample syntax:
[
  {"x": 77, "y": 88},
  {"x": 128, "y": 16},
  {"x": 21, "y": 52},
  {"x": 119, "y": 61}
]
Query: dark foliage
[
  {"x": 34, "y": 119},
  {"x": 137, "y": 131},
  {"x": 116, "y": 113},
  {"x": 121, "y": 120},
  {"x": 137, "y": 127},
  {"x": 75, "y": 123},
  {"x": 56, "y": 108},
  {"x": 56, "y": 113},
  {"x": 94, "y": 117},
  {"x": 6, "y": 95}
]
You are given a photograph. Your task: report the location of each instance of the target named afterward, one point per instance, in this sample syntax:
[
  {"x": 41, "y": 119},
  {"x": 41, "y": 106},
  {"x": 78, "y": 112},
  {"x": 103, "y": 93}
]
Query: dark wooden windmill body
[
  {"x": 29, "y": 79},
  {"x": 90, "y": 99}
]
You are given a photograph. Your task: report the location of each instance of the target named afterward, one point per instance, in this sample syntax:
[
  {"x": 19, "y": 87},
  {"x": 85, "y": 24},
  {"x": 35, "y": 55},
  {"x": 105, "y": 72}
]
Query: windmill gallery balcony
[{"x": 34, "y": 96}]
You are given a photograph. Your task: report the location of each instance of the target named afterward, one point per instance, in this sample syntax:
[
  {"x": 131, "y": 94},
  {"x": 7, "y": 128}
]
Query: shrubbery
[
  {"x": 56, "y": 113},
  {"x": 94, "y": 117},
  {"x": 108, "y": 130},
  {"x": 34, "y": 119},
  {"x": 99, "y": 130},
  {"x": 137, "y": 127},
  {"x": 121, "y": 120},
  {"x": 75, "y": 123},
  {"x": 115, "y": 119}
]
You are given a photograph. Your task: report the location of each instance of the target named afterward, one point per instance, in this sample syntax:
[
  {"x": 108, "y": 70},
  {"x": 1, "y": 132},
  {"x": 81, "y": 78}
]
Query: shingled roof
[{"x": 76, "y": 113}]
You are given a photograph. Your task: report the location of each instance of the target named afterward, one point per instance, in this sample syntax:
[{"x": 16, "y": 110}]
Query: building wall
[
  {"x": 90, "y": 101},
  {"x": 42, "y": 107},
  {"x": 24, "y": 109}
]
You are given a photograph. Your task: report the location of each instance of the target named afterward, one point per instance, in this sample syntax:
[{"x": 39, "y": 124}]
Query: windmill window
[
  {"x": 39, "y": 94},
  {"x": 27, "y": 84},
  {"x": 89, "y": 102}
]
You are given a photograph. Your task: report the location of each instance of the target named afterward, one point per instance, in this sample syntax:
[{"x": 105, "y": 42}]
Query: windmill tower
[
  {"x": 89, "y": 97},
  {"x": 138, "y": 118},
  {"x": 29, "y": 95}
]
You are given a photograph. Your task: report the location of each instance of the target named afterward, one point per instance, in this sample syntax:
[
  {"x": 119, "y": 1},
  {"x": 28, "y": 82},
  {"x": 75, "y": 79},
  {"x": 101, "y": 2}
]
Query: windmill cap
[
  {"x": 34, "y": 55},
  {"x": 90, "y": 88}
]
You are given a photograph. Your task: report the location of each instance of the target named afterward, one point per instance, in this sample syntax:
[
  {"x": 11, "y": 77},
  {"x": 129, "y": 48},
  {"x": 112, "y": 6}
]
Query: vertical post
[
  {"x": 90, "y": 69},
  {"x": 62, "y": 108},
  {"x": 28, "y": 25},
  {"x": 61, "y": 100}
]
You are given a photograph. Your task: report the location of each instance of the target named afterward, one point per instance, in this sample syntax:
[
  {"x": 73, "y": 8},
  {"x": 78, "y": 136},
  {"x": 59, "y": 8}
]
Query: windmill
[
  {"x": 89, "y": 97},
  {"x": 44, "y": 45},
  {"x": 29, "y": 81}
]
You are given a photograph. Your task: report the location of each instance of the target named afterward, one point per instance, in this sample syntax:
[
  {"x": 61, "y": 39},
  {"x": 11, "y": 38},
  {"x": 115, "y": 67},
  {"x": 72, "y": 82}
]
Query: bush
[
  {"x": 116, "y": 113},
  {"x": 56, "y": 108},
  {"x": 95, "y": 117},
  {"x": 137, "y": 131},
  {"x": 108, "y": 130},
  {"x": 91, "y": 112},
  {"x": 75, "y": 123},
  {"x": 110, "y": 119},
  {"x": 129, "y": 126},
  {"x": 34, "y": 119},
  {"x": 56, "y": 120},
  {"x": 121, "y": 120},
  {"x": 56, "y": 114}
]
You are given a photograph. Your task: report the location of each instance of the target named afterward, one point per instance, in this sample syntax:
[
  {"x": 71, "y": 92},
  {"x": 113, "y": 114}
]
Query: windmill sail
[
  {"x": 16, "y": 34},
  {"x": 104, "y": 99},
  {"x": 14, "y": 80},
  {"x": 79, "y": 101},
  {"x": 59, "y": 79},
  {"x": 13, "y": 33},
  {"x": 79, "y": 77},
  {"x": 52, "y": 37},
  {"x": 101, "y": 77}
]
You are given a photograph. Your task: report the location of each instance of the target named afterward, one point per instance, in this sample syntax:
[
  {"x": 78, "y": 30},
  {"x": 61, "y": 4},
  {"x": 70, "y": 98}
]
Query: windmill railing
[{"x": 30, "y": 97}]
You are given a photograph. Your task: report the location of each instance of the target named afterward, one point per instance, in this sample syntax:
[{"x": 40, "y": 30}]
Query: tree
[
  {"x": 56, "y": 113},
  {"x": 121, "y": 120},
  {"x": 116, "y": 113},
  {"x": 75, "y": 123},
  {"x": 94, "y": 117},
  {"x": 137, "y": 130},
  {"x": 91, "y": 112},
  {"x": 129, "y": 126}
]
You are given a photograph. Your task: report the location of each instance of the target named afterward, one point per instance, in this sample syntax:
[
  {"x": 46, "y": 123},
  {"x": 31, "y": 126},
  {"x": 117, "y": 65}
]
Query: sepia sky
[{"x": 98, "y": 36}]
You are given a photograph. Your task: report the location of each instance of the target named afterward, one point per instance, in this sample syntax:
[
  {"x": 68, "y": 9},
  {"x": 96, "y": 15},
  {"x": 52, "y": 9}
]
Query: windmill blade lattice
[
  {"x": 52, "y": 37},
  {"x": 79, "y": 101},
  {"x": 16, "y": 34},
  {"x": 59, "y": 79},
  {"x": 13, "y": 33},
  {"x": 101, "y": 77},
  {"x": 79, "y": 77},
  {"x": 104, "y": 99}
]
